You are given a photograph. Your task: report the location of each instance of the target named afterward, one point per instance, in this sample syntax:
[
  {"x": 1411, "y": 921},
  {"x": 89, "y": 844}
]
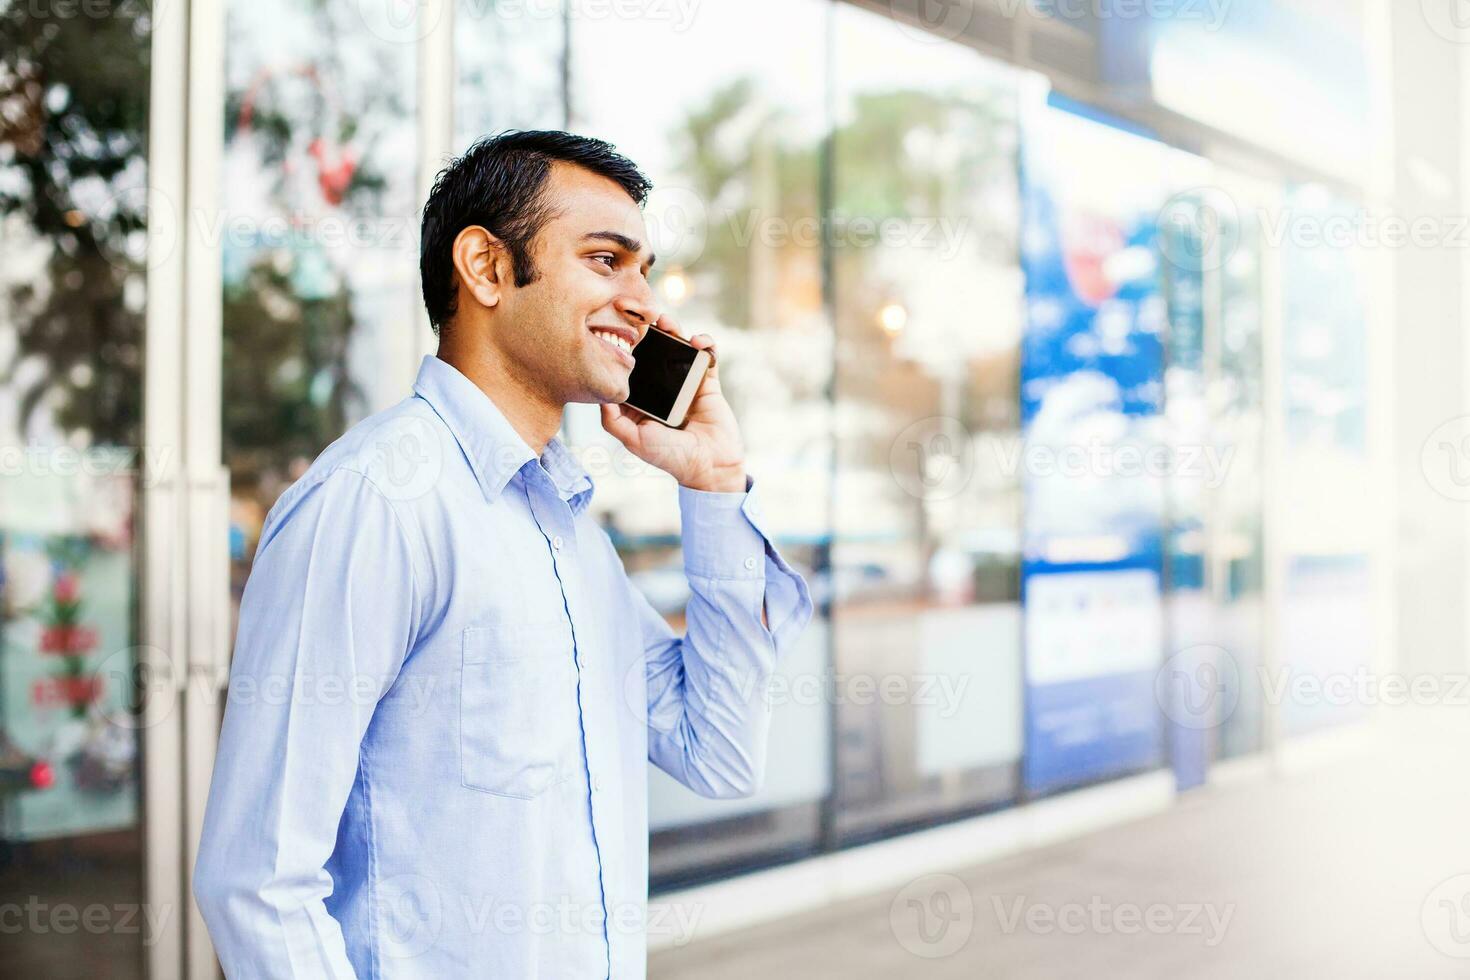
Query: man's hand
[{"x": 706, "y": 454}]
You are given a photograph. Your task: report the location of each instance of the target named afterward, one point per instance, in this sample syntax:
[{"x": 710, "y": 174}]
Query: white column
[
  {"x": 160, "y": 651},
  {"x": 1429, "y": 389}
]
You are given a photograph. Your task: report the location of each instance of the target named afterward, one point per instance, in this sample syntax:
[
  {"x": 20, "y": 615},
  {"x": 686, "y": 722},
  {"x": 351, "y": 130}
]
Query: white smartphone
[{"x": 666, "y": 374}]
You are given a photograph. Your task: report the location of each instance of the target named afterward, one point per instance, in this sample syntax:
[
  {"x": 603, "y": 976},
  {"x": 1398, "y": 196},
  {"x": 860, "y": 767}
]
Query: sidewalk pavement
[{"x": 1356, "y": 866}]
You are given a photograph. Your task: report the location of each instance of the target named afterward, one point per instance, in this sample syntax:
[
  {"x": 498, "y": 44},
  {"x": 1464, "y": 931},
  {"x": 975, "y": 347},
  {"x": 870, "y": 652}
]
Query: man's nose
[{"x": 636, "y": 302}]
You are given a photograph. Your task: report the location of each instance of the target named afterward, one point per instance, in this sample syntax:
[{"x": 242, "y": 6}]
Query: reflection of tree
[
  {"x": 913, "y": 156},
  {"x": 73, "y": 128},
  {"x": 288, "y": 310},
  {"x": 728, "y": 151},
  {"x": 907, "y": 155},
  {"x": 285, "y": 386}
]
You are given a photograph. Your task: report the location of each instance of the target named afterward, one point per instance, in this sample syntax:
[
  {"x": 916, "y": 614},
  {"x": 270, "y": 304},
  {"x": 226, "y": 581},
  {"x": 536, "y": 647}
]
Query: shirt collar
[{"x": 496, "y": 452}]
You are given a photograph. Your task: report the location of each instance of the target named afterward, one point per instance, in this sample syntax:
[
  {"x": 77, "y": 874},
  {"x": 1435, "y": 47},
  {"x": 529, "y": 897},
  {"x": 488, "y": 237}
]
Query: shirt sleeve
[
  {"x": 708, "y": 708},
  {"x": 327, "y": 617}
]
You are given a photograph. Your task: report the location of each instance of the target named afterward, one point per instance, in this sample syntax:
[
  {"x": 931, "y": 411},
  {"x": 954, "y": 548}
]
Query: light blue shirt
[{"x": 444, "y": 695}]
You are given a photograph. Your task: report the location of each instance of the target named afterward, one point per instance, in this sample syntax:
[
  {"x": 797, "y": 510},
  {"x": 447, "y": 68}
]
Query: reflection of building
[{"x": 892, "y": 366}]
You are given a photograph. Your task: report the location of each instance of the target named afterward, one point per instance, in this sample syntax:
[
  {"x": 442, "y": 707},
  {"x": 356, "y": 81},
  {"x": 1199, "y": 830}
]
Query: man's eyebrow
[{"x": 632, "y": 245}]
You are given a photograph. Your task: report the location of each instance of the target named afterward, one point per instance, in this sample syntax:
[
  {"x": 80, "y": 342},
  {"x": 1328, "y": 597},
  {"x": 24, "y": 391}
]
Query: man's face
[{"x": 593, "y": 261}]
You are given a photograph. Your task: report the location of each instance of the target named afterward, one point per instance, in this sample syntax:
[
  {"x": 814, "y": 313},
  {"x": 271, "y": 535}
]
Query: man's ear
[{"x": 483, "y": 264}]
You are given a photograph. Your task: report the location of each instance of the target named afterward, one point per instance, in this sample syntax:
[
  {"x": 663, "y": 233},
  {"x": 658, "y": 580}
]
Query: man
[{"x": 445, "y": 689}]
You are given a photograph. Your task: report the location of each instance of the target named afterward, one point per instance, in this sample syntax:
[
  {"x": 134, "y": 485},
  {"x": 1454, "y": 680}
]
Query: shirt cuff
[{"x": 721, "y": 534}]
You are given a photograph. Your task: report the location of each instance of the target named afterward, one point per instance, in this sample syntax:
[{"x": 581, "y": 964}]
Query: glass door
[{"x": 90, "y": 863}]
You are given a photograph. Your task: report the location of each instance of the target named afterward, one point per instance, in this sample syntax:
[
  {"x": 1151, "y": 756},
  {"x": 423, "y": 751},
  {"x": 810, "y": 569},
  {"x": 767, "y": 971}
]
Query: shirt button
[
  {"x": 750, "y": 563},
  {"x": 597, "y": 783},
  {"x": 556, "y": 542}
]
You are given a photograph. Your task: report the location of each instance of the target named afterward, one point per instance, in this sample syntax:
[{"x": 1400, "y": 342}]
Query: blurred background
[{"x": 1104, "y": 363}]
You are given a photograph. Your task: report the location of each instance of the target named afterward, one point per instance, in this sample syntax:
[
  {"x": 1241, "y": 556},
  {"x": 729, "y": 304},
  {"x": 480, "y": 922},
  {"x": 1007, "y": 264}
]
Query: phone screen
[{"x": 660, "y": 365}]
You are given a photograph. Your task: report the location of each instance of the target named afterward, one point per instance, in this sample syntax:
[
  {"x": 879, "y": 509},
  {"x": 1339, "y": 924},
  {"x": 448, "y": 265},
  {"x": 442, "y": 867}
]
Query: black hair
[{"x": 498, "y": 183}]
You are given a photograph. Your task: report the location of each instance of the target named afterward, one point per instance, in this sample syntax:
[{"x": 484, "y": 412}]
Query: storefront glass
[
  {"x": 1327, "y": 609},
  {"x": 74, "y": 239},
  {"x": 734, "y": 150},
  {"x": 927, "y": 292},
  {"x": 319, "y": 238}
]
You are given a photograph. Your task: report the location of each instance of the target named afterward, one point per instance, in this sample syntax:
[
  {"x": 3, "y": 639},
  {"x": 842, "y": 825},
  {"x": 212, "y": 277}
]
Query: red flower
[
  {"x": 68, "y": 640},
  {"x": 333, "y": 176},
  {"x": 41, "y": 775},
  {"x": 67, "y": 588}
]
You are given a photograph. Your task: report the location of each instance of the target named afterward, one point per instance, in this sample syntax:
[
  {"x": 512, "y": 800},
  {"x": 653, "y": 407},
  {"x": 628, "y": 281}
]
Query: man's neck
[{"x": 534, "y": 417}]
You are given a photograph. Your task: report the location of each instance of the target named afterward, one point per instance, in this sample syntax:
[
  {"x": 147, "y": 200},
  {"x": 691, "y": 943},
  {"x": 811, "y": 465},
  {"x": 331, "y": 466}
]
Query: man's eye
[{"x": 611, "y": 260}]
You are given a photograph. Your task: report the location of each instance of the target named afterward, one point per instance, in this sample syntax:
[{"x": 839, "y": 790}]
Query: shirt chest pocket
[{"x": 518, "y": 721}]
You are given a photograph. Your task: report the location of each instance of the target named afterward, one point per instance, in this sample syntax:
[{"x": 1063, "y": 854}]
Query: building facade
[{"x": 1056, "y": 371}]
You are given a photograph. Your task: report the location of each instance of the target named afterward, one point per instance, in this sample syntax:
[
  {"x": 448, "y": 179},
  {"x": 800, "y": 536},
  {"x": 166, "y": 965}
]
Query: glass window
[
  {"x": 729, "y": 126},
  {"x": 508, "y": 68},
  {"x": 1326, "y": 627},
  {"x": 319, "y": 231},
  {"x": 1213, "y": 548},
  {"x": 1237, "y": 400},
  {"x": 1092, "y": 397},
  {"x": 927, "y": 292},
  {"x": 1190, "y": 641},
  {"x": 74, "y": 239}
]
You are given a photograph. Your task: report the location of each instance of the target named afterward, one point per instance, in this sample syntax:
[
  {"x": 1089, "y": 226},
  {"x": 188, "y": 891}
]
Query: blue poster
[{"x": 1095, "y": 457}]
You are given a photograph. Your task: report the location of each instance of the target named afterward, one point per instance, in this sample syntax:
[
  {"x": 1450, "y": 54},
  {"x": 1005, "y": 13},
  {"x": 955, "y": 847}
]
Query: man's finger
[
  {"x": 668, "y": 324},
  {"x": 617, "y": 422}
]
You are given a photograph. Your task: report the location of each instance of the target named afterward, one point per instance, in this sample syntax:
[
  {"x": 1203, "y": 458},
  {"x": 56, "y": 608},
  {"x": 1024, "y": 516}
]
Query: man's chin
[{"x": 606, "y": 394}]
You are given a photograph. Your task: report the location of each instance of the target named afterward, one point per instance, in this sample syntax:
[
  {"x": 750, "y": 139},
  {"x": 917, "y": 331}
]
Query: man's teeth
[{"x": 615, "y": 340}]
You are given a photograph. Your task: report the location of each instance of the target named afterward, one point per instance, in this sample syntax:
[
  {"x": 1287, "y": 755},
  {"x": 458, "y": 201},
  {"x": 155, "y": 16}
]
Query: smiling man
[{"x": 445, "y": 689}]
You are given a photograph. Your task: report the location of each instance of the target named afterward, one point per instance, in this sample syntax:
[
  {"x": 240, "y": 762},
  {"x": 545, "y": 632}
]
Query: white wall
[{"x": 1430, "y": 372}]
